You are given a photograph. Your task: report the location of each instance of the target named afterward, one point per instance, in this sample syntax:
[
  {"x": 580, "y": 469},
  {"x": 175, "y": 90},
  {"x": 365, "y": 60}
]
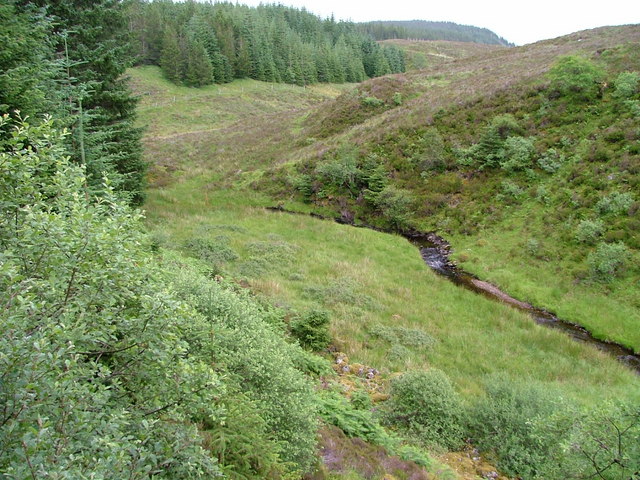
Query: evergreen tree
[
  {"x": 92, "y": 43},
  {"x": 199, "y": 71},
  {"x": 171, "y": 56}
]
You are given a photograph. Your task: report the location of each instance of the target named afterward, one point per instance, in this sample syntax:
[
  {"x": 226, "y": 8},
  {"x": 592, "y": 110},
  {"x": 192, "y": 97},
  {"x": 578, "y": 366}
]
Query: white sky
[{"x": 518, "y": 21}]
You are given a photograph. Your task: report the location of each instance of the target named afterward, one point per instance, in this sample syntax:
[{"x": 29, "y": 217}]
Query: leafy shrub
[
  {"x": 606, "y": 262},
  {"x": 312, "y": 329},
  {"x": 244, "y": 343},
  {"x": 516, "y": 154},
  {"x": 615, "y": 203},
  {"x": 576, "y": 78},
  {"x": 96, "y": 377},
  {"x": 397, "y": 99},
  {"x": 626, "y": 85},
  {"x": 510, "y": 192},
  {"x": 604, "y": 443},
  {"x": 361, "y": 400},
  {"x": 396, "y": 205},
  {"x": 519, "y": 424},
  {"x": 341, "y": 172},
  {"x": 375, "y": 177},
  {"x": 372, "y": 102},
  {"x": 551, "y": 161},
  {"x": 425, "y": 404},
  {"x": 589, "y": 231},
  {"x": 211, "y": 252}
]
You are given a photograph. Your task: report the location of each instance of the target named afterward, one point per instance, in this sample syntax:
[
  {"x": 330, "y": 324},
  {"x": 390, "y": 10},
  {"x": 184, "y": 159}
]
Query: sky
[{"x": 520, "y": 22}]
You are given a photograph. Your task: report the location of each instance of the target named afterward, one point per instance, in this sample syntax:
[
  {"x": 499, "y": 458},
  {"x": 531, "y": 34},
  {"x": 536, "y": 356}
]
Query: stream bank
[{"x": 435, "y": 252}]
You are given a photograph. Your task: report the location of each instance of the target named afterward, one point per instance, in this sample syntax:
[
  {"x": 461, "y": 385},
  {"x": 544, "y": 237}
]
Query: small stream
[{"x": 435, "y": 251}]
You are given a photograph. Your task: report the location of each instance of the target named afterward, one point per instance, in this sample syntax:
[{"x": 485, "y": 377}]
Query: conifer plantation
[{"x": 198, "y": 44}]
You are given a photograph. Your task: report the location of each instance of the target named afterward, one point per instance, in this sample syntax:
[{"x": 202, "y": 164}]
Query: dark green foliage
[
  {"x": 88, "y": 43},
  {"x": 426, "y": 405},
  {"x": 312, "y": 329},
  {"x": 396, "y": 205},
  {"x": 214, "y": 252},
  {"x": 576, "y": 78},
  {"x": 271, "y": 43},
  {"x": 336, "y": 410},
  {"x": 520, "y": 425},
  {"x": 615, "y": 203},
  {"x": 26, "y": 67},
  {"x": 425, "y": 30}
]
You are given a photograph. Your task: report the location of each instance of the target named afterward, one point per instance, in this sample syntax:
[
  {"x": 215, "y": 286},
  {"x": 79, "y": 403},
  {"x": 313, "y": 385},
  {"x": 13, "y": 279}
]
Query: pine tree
[
  {"x": 93, "y": 44},
  {"x": 171, "y": 56},
  {"x": 199, "y": 71}
]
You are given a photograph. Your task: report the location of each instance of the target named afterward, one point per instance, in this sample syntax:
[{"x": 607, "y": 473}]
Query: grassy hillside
[
  {"x": 515, "y": 225},
  {"x": 388, "y": 152},
  {"x": 428, "y": 53}
]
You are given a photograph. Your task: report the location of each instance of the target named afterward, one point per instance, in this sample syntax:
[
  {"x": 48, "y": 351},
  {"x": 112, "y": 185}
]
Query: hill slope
[{"x": 514, "y": 222}]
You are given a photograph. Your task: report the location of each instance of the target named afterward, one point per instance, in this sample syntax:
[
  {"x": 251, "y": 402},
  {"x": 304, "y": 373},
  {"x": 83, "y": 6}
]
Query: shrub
[
  {"x": 215, "y": 252},
  {"x": 489, "y": 150},
  {"x": 396, "y": 205},
  {"x": 518, "y": 424},
  {"x": 312, "y": 329},
  {"x": 516, "y": 154},
  {"x": 606, "y": 262},
  {"x": 615, "y": 203},
  {"x": 372, "y": 102},
  {"x": 604, "y": 443},
  {"x": 576, "y": 78},
  {"x": 589, "y": 231},
  {"x": 626, "y": 85},
  {"x": 551, "y": 160},
  {"x": 425, "y": 404}
]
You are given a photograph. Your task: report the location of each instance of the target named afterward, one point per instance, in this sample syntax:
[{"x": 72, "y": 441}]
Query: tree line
[
  {"x": 197, "y": 44},
  {"x": 426, "y": 30}
]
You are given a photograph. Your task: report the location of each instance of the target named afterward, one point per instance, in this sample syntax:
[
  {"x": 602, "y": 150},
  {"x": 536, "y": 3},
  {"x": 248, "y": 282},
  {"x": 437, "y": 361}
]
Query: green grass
[{"x": 366, "y": 279}]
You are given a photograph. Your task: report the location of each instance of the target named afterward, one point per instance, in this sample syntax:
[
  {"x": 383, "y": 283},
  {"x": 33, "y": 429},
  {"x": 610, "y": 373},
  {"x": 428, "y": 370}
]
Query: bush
[
  {"x": 372, "y": 102},
  {"x": 604, "y": 443},
  {"x": 396, "y": 205},
  {"x": 606, "y": 262},
  {"x": 312, "y": 330},
  {"x": 615, "y": 203},
  {"x": 520, "y": 425},
  {"x": 589, "y": 231},
  {"x": 551, "y": 161},
  {"x": 425, "y": 404},
  {"x": 516, "y": 154},
  {"x": 576, "y": 78},
  {"x": 626, "y": 85}
]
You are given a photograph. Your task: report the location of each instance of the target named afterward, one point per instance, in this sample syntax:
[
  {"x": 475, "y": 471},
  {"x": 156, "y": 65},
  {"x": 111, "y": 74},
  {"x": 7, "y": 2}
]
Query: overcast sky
[{"x": 519, "y": 22}]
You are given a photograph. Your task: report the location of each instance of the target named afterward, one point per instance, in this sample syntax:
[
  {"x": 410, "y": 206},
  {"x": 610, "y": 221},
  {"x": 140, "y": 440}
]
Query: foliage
[
  {"x": 96, "y": 376},
  {"x": 312, "y": 329},
  {"x": 71, "y": 62},
  {"x": 608, "y": 260},
  {"x": 425, "y": 404},
  {"x": 517, "y": 154},
  {"x": 198, "y": 44},
  {"x": 626, "y": 85},
  {"x": 408, "y": 337},
  {"x": 490, "y": 150},
  {"x": 551, "y": 160},
  {"x": 576, "y": 78},
  {"x": 604, "y": 443},
  {"x": 520, "y": 424},
  {"x": 355, "y": 422},
  {"x": 588, "y": 231},
  {"x": 615, "y": 203},
  {"x": 258, "y": 361},
  {"x": 396, "y": 205}
]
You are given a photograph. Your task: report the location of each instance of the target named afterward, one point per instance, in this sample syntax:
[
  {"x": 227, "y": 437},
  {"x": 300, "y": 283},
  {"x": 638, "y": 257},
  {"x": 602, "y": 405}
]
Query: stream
[{"x": 435, "y": 251}]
